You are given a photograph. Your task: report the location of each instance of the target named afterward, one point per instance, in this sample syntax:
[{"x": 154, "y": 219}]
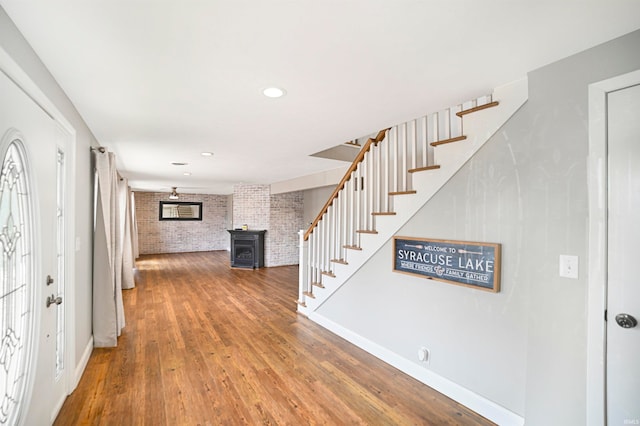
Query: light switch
[{"x": 569, "y": 266}]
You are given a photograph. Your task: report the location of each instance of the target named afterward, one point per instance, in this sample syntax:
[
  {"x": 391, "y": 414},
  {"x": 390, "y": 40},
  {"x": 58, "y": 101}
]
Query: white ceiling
[{"x": 161, "y": 81}]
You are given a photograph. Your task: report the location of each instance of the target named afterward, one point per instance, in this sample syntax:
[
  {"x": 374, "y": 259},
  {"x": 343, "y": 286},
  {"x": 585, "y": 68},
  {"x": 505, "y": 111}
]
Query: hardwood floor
[{"x": 205, "y": 344}]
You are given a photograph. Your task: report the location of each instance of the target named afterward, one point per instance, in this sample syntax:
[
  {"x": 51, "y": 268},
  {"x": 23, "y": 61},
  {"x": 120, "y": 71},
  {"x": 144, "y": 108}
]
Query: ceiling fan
[{"x": 174, "y": 194}]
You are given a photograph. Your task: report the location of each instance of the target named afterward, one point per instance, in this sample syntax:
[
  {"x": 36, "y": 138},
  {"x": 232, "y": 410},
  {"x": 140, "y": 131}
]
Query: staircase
[{"x": 395, "y": 173}]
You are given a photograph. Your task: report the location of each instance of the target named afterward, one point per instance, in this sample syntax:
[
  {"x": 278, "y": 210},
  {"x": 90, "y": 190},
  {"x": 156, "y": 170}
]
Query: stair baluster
[{"x": 382, "y": 168}]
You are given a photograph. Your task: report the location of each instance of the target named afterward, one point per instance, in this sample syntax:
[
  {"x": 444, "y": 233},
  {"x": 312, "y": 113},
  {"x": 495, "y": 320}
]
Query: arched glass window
[{"x": 16, "y": 281}]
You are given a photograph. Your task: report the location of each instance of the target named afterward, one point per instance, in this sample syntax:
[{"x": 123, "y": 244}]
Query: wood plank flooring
[{"x": 205, "y": 344}]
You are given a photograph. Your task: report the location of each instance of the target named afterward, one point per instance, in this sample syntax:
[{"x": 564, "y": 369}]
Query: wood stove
[{"x": 247, "y": 249}]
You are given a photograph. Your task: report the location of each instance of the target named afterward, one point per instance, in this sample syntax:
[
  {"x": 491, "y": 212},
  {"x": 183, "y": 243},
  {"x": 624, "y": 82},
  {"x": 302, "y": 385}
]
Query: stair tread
[
  {"x": 319, "y": 285},
  {"x": 328, "y": 274},
  {"x": 478, "y": 108},
  {"x": 450, "y": 140},
  {"x": 301, "y": 303},
  {"x": 340, "y": 261},
  {"x": 345, "y": 237},
  {"x": 413, "y": 191},
  {"x": 422, "y": 169},
  {"x": 309, "y": 294}
]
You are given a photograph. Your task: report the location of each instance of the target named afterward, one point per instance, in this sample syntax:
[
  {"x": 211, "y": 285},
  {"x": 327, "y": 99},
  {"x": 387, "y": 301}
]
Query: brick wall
[
  {"x": 280, "y": 214},
  {"x": 251, "y": 206},
  {"x": 170, "y": 236},
  {"x": 285, "y": 220}
]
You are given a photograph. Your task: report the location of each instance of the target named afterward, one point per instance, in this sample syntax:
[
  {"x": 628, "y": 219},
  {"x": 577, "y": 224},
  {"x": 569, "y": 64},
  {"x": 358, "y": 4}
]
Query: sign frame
[{"x": 465, "y": 263}]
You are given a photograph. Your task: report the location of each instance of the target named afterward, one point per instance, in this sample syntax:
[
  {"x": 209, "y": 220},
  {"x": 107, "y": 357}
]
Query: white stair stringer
[{"x": 478, "y": 127}]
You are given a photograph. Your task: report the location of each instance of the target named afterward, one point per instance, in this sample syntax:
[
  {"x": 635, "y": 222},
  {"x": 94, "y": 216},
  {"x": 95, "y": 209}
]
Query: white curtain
[
  {"x": 112, "y": 253},
  {"x": 134, "y": 227},
  {"x": 124, "y": 200}
]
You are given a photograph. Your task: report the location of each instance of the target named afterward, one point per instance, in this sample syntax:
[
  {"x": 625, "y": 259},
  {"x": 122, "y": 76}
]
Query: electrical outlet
[{"x": 569, "y": 266}]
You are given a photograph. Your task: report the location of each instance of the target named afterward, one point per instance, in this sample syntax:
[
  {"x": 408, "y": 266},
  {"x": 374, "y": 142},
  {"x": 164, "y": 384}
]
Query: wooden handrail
[{"x": 367, "y": 146}]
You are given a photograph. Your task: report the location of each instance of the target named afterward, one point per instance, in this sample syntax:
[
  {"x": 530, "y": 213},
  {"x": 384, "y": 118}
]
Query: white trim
[
  {"x": 12, "y": 70},
  {"x": 57, "y": 406},
  {"x": 597, "y": 289},
  {"x": 70, "y": 290},
  {"x": 68, "y": 146},
  {"x": 24, "y": 82},
  {"x": 82, "y": 363},
  {"x": 473, "y": 401}
]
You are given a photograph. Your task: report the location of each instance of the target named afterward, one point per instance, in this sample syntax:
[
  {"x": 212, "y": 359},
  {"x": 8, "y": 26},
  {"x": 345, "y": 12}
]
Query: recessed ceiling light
[
  {"x": 206, "y": 154},
  {"x": 187, "y": 173},
  {"x": 273, "y": 92},
  {"x": 177, "y": 163}
]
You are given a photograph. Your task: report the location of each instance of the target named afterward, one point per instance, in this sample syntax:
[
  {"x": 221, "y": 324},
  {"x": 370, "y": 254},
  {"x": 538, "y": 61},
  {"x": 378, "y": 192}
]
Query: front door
[
  {"x": 32, "y": 380},
  {"x": 623, "y": 280}
]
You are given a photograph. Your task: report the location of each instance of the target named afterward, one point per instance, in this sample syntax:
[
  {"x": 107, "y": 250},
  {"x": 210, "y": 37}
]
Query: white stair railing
[{"x": 382, "y": 168}]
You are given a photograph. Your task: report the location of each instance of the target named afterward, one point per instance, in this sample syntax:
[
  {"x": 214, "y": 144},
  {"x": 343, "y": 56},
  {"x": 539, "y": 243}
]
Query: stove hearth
[{"x": 247, "y": 249}]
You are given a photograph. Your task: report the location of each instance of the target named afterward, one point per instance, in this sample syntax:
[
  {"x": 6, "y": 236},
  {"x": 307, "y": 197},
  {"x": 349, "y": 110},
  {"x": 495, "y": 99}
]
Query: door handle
[
  {"x": 626, "y": 321},
  {"x": 53, "y": 300},
  {"x": 49, "y": 280}
]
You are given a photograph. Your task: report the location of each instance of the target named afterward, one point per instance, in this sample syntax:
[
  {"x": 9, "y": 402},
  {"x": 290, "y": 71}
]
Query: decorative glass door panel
[
  {"x": 17, "y": 276},
  {"x": 32, "y": 379}
]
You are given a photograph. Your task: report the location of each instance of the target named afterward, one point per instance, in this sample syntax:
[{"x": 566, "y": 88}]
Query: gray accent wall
[{"x": 523, "y": 348}]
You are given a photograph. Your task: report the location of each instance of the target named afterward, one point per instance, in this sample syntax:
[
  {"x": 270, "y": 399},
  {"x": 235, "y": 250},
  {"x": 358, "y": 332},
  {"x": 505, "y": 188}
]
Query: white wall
[
  {"x": 14, "y": 44},
  {"x": 314, "y": 200},
  {"x": 329, "y": 177},
  {"x": 525, "y": 347}
]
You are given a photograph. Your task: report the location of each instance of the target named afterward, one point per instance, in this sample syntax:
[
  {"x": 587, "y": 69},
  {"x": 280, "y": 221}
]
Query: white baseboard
[
  {"x": 469, "y": 399},
  {"x": 75, "y": 379},
  {"x": 82, "y": 365}
]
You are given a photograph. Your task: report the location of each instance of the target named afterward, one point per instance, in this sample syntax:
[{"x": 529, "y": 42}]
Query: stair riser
[{"x": 478, "y": 127}]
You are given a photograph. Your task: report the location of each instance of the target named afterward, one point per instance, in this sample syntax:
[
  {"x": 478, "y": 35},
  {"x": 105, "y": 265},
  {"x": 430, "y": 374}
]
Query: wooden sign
[{"x": 470, "y": 264}]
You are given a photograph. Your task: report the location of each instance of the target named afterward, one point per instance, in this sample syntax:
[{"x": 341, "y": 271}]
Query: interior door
[
  {"x": 31, "y": 383},
  {"x": 623, "y": 281}
]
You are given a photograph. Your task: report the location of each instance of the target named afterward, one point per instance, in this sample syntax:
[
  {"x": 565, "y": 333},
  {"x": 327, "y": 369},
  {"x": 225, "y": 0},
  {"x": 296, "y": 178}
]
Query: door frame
[
  {"x": 597, "y": 222},
  {"x": 15, "y": 73}
]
